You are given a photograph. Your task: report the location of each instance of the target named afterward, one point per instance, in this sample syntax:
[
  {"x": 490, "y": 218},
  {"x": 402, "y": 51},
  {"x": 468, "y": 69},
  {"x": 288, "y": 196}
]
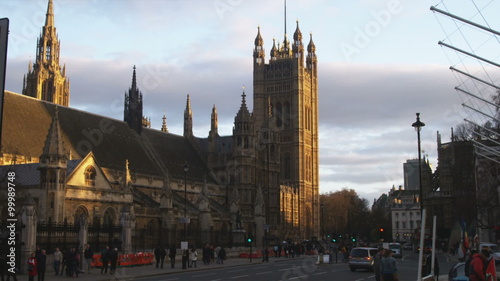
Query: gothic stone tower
[
  {"x": 288, "y": 87},
  {"x": 132, "y": 113},
  {"x": 46, "y": 80},
  {"x": 53, "y": 165}
]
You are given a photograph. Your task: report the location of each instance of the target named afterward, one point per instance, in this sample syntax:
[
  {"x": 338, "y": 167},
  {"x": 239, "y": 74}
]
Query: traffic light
[{"x": 250, "y": 238}]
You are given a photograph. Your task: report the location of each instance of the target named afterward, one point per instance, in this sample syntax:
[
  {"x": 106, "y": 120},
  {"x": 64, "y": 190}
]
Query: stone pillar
[
  {"x": 127, "y": 221},
  {"x": 82, "y": 237},
  {"x": 29, "y": 219}
]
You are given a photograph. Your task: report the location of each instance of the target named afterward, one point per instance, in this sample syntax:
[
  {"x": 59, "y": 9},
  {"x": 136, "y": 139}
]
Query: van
[
  {"x": 362, "y": 257},
  {"x": 396, "y": 250}
]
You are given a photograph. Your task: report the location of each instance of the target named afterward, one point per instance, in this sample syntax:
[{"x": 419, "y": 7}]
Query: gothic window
[
  {"x": 278, "y": 115},
  {"x": 287, "y": 114},
  {"x": 150, "y": 230},
  {"x": 247, "y": 143},
  {"x": 108, "y": 218},
  {"x": 52, "y": 176},
  {"x": 80, "y": 212},
  {"x": 286, "y": 166},
  {"x": 47, "y": 51},
  {"x": 62, "y": 175},
  {"x": 90, "y": 176}
]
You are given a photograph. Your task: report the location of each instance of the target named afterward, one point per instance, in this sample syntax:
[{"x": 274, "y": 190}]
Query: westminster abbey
[{"x": 75, "y": 167}]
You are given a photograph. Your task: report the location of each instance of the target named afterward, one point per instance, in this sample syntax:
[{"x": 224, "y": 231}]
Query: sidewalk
[{"x": 125, "y": 273}]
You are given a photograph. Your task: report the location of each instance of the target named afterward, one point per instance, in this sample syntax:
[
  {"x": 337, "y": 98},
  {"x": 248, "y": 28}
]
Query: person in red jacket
[
  {"x": 32, "y": 272},
  {"x": 477, "y": 266}
]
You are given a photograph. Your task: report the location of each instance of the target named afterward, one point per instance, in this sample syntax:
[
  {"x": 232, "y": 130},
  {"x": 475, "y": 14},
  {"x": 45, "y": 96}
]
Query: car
[
  {"x": 396, "y": 249},
  {"x": 457, "y": 272},
  {"x": 362, "y": 257}
]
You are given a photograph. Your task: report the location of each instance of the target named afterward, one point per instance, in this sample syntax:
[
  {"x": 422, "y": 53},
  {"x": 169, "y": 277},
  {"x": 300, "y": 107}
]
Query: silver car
[{"x": 362, "y": 257}]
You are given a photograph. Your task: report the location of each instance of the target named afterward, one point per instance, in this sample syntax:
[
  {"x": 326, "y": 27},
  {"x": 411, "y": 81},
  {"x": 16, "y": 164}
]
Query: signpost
[{"x": 4, "y": 34}]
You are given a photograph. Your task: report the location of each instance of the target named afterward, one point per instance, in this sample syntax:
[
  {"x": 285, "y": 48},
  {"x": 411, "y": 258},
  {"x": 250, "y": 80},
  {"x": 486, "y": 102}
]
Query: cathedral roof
[
  {"x": 27, "y": 121},
  {"x": 29, "y": 175}
]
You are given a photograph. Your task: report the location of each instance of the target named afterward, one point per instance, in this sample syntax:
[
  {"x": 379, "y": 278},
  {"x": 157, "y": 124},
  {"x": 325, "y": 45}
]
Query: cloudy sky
[{"x": 379, "y": 64}]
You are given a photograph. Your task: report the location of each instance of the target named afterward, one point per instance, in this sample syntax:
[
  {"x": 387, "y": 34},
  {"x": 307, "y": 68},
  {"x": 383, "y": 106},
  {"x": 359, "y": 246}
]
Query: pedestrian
[
  {"x": 171, "y": 254},
  {"x": 58, "y": 258},
  {"x": 477, "y": 271},
  {"x": 88, "y": 254},
  {"x": 206, "y": 254},
  {"x": 193, "y": 256},
  {"x": 105, "y": 260},
  {"x": 376, "y": 263},
  {"x": 388, "y": 267},
  {"x": 216, "y": 251},
  {"x": 221, "y": 255},
  {"x": 113, "y": 257},
  {"x": 41, "y": 265},
  {"x": 75, "y": 261},
  {"x": 265, "y": 255},
  {"x": 32, "y": 267},
  {"x": 160, "y": 254}
]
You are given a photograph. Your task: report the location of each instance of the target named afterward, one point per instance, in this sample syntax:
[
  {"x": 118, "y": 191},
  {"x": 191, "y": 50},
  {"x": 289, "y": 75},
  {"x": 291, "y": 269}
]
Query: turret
[
  {"x": 258, "y": 52},
  {"x": 132, "y": 113},
  {"x": 53, "y": 165},
  {"x": 188, "y": 119}
]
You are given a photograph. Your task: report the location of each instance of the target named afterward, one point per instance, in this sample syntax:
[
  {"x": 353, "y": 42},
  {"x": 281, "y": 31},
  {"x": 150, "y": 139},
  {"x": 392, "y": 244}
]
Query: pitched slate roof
[
  {"x": 28, "y": 174},
  {"x": 27, "y": 120}
]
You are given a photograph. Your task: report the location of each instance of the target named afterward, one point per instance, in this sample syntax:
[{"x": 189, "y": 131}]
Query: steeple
[
  {"x": 298, "y": 47},
  {"x": 258, "y": 52},
  {"x": 52, "y": 167},
  {"x": 132, "y": 113},
  {"x": 53, "y": 151},
  {"x": 47, "y": 80},
  {"x": 164, "y": 123},
  {"x": 214, "y": 127},
  {"x": 311, "y": 60},
  {"x": 188, "y": 119},
  {"x": 49, "y": 16}
]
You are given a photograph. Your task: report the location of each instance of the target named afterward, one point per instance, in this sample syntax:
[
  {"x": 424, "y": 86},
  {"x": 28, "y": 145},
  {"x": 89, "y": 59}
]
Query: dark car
[
  {"x": 362, "y": 257},
  {"x": 457, "y": 272}
]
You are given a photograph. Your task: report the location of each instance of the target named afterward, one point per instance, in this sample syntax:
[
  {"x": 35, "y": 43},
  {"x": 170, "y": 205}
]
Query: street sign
[
  {"x": 266, "y": 226},
  {"x": 4, "y": 32},
  {"x": 184, "y": 220}
]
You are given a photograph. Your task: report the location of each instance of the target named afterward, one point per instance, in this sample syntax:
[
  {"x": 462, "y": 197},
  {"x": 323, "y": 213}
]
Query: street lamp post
[
  {"x": 418, "y": 126},
  {"x": 184, "y": 220}
]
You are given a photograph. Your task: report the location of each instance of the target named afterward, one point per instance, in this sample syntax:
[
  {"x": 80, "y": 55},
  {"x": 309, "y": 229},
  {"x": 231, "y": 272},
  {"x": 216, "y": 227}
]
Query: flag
[
  {"x": 465, "y": 237},
  {"x": 491, "y": 270},
  {"x": 455, "y": 236}
]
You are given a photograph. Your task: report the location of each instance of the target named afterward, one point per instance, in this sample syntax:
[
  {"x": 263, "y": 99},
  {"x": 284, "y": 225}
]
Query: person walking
[
  {"x": 193, "y": 256},
  {"x": 171, "y": 254},
  {"x": 160, "y": 254},
  {"x": 477, "y": 271},
  {"x": 388, "y": 267},
  {"x": 105, "y": 260},
  {"x": 41, "y": 265},
  {"x": 113, "y": 257},
  {"x": 32, "y": 267},
  {"x": 58, "y": 258},
  {"x": 221, "y": 255},
  {"x": 88, "y": 254},
  {"x": 376, "y": 263}
]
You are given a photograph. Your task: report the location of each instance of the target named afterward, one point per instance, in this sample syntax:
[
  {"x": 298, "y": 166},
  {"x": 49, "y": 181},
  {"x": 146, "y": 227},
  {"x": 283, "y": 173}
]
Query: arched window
[
  {"x": 287, "y": 115},
  {"x": 286, "y": 166},
  {"x": 52, "y": 176},
  {"x": 278, "y": 115},
  {"x": 90, "y": 176},
  {"x": 109, "y": 217}
]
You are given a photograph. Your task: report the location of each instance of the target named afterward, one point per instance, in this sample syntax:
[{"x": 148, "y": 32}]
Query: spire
[
  {"x": 215, "y": 122},
  {"x": 297, "y": 35},
  {"x": 45, "y": 79},
  {"x": 274, "y": 50},
  {"x": 49, "y": 16},
  {"x": 243, "y": 113},
  {"x": 311, "y": 48},
  {"x": 188, "y": 119},
  {"x": 258, "y": 52},
  {"x": 258, "y": 40},
  {"x": 54, "y": 142},
  {"x": 132, "y": 113},
  {"x": 134, "y": 79},
  {"x": 164, "y": 123}
]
